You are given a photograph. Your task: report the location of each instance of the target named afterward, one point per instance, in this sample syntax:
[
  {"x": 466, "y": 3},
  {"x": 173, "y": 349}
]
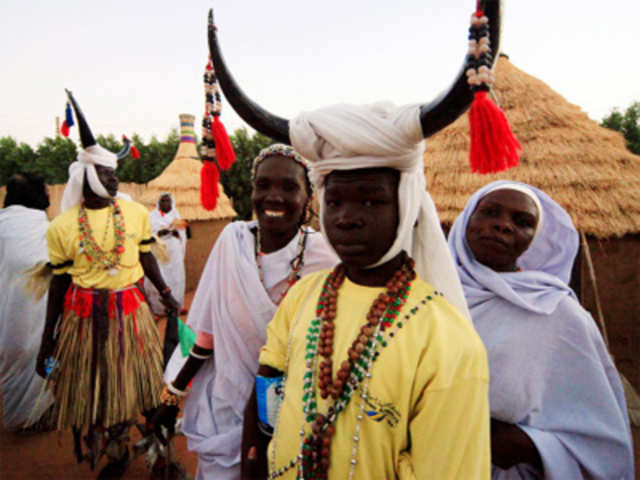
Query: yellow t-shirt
[
  {"x": 63, "y": 239},
  {"x": 427, "y": 412}
]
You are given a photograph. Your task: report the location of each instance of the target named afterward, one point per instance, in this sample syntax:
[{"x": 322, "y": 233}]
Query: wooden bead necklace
[
  {"x": 379, "y": 341},
  {"x": 315, "y": 455}
]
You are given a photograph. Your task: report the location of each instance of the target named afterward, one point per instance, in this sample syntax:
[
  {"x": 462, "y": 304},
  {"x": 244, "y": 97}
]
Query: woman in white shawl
[
  {"x": 166, "y": 226},
  {"x": 557, "y": 403},
  {"x": 250, "y": 269}
]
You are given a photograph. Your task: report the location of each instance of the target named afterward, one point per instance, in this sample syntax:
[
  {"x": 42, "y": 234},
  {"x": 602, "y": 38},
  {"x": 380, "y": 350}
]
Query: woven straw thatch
[
  {"x": 181, "y": 178},
  {"x": 583, "y": 166}
]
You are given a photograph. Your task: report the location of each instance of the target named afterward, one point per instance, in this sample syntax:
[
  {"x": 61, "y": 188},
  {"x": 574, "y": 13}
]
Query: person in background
[
  {"x": 249, "y": 272},
  {"x": 23, "y": 245},
  {"x": 167, "y": 225},
  {"x": 557, "y": 403}
]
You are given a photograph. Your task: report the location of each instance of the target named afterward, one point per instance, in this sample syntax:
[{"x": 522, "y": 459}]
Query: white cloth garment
[
  {"x": 350, "y": 137},
  {"x": 551, "y": 374},
  {"x": 23, "y": 244},
  {"x": 232, "y": 305},
  {"x": 87, "y": 159},
  {"x": 172, "y": 271}
]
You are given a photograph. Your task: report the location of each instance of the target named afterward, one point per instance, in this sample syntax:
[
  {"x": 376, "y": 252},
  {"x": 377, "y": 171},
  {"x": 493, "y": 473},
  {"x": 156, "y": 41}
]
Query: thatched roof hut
[
  {"x": 584, "y": 167},
  {"x": 181, "y": 178}
]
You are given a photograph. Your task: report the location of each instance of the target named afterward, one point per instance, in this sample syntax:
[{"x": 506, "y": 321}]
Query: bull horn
[
  {"x": 434, "y": 116},
  {"x": 86, "y": 137},
  {"x": 252, "y": 113},
  {"x": 125, "y": 149},
  {"x": 452, "y": 103}
]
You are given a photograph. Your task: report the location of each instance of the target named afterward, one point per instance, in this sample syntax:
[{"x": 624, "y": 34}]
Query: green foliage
[
  {"x": 14, "y": 158},
  {"x": 54, "y": 155},
  {"x": 627, "y": 123},
  {"x": 237, "y": 180}
]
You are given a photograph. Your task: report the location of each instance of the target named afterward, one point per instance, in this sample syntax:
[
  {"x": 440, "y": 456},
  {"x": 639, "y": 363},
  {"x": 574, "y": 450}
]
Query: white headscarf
[
  {"x": 546, "y": 265},
  {"x": 86, "y": 161},
  {"x": 351, "y": 137}
]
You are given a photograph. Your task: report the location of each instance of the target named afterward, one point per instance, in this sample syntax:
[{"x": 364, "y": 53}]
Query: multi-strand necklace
[
  {"x": 88, "y": 245},
  {"x": 296, "y": 264},
  {"x": 315, "y": 447}
]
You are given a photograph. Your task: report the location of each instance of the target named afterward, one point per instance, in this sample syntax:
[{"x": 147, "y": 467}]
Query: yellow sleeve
[
  {"x": 147, "y": 238},
  {"x": 274, "y": 351},
  {"x": 297, "y": 302},
  {"x": 449, "y": 427},
  {"x": 59, "y": 259}
]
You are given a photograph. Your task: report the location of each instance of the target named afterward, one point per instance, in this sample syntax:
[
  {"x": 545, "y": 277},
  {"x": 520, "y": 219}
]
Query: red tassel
[
  {"x": 64, "y": 129},
  {"x": 225, "y": 155},
  {"x": 209, "y": 176},
  {"x": 493, "y": 146},
  {"x": 135, "y": 154}
]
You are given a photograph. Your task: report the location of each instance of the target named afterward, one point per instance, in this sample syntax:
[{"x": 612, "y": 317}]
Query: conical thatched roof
[
  {"x": 583, "y": 166},
  {"x": 181, "y": 178}
]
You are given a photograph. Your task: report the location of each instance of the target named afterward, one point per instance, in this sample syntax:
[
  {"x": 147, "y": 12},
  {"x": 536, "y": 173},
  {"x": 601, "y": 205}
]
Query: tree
[
  {"x": 52, "y": 159},
  {"x": 628, "y": 124},
  {"x": 14, "y": 158},
  {"x": 237, "y": 180}
]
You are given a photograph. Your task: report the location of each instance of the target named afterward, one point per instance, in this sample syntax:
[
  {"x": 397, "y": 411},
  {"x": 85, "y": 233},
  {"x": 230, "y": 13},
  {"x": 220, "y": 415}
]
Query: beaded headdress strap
[{"x": 278, "y": 150}]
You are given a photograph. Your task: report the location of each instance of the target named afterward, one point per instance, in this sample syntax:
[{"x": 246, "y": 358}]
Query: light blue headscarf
[
  {"x": 550, "y": 371},
  {"x": 546, "y": 265}
]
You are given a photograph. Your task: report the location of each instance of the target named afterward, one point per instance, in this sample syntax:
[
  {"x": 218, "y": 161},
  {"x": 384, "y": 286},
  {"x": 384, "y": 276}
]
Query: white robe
[
  {"x": 22, "y": 244},
  {"x": 232, "y": 304},
  {"x": 173, "y": 271},
  {"x": 551, "y": 374}
]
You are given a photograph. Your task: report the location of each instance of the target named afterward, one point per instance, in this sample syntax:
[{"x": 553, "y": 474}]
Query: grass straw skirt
[{"x": 110, "y": 358}]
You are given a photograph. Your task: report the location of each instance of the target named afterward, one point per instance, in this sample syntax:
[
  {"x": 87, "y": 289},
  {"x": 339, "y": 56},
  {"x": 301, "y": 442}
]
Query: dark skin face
[
  {"x": 280, "y": 195},
  {"x": 501, "y": 228},
  {"x": 108, "y": 178},
  {"x": 361, "y": 215},
  {"x": 165, "y": 203}
]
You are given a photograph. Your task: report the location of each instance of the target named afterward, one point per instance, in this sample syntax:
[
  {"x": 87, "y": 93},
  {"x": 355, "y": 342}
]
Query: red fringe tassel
[
  {"x": 135, "y": 154},
  {"x": 493, "y": 146},
  {"x": 224, "y": 151},
  {"x": 209, "y": 176}
]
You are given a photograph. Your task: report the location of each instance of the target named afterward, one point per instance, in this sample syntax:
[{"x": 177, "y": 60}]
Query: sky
[{"x": 134, "y": 66}]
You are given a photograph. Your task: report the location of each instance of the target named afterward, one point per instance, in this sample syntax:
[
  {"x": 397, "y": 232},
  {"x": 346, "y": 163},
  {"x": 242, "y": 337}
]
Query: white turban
[
  {"x": 351, "y": 137},
  {"x": 87, "y": 159}
]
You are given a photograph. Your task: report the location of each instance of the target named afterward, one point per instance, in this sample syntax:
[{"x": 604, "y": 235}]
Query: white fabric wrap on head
[
  {"x": 351, "y": 137},
  {"x": 87, "y": 159}
]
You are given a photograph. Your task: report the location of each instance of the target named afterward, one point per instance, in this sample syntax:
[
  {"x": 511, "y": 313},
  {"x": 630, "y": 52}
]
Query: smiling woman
[{"x": 249, "y": 272}]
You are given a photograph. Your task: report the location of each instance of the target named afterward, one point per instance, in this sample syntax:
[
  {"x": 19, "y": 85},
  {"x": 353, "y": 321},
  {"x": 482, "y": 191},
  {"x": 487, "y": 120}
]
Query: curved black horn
[
  {"x": 125, "y": 150},
  {"x": 86, "y": 137},
  {"x": 263, "y": 121},
  {"x": 452, "y": 103}
]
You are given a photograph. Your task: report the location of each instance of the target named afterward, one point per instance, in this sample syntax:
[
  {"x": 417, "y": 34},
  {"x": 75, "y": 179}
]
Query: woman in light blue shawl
[{"x": 557, "y": 404}]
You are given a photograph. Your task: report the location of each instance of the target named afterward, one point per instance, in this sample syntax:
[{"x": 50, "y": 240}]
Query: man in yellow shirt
[
  {"x": 383, "y": 374},
  {"x": 101, "y": 352}
]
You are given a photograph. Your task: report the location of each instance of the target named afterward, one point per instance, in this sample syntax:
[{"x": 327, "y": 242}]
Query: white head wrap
[
  {"x": 86, "y": 161},
  {"x": 351, "y": 137}
]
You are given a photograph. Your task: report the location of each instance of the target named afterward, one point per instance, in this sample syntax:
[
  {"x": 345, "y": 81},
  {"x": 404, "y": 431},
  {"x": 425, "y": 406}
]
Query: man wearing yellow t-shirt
[
  {"x": 384, "y": 376},
  {"x": 101, "y": 352}
]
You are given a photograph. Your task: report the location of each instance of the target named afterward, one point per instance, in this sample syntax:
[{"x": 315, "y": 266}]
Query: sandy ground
[{"x": 50, "y": 455}]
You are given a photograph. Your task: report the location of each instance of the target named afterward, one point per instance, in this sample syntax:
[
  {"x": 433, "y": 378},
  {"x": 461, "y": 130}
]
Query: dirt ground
[{"x": 50, "y": 455}]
